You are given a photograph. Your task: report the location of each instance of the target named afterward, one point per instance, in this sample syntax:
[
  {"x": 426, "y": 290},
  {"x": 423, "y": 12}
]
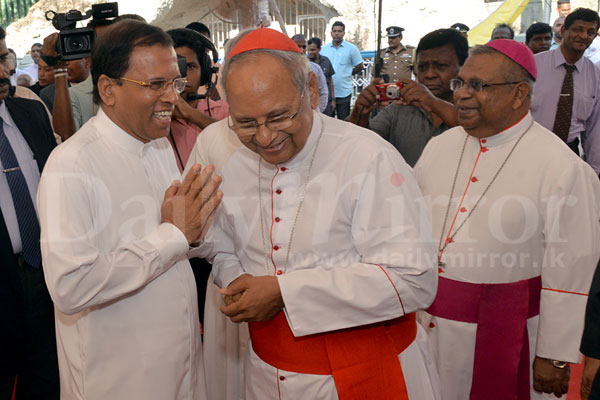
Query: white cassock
[
  {"x": 126, "y": 310},
  {"x": 361, "y": 249},
  {"x": 540, "y": 217},
  {"x": 225, "y": 342}
]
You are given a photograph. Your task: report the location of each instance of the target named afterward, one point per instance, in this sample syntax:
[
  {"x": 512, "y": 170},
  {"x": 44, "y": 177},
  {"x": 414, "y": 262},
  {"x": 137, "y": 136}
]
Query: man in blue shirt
[{"x": 347, "y": 61}]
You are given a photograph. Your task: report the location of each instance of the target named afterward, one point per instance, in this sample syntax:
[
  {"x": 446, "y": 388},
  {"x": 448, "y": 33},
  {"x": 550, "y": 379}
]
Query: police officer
[{"x": 397, "y": 58}]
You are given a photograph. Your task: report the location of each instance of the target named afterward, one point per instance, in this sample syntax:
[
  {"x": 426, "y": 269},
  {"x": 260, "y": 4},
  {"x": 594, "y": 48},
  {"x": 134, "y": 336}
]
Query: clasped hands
[
  {"x": 252, "y": 298},
  {"x": 190, "y": 205}
]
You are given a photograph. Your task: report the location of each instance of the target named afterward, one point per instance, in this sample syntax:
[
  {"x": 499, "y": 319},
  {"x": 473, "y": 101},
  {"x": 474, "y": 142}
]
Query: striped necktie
[{"x": 29, "y": 227}]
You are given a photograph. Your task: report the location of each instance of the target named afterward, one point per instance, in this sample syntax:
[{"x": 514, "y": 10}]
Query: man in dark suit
[{"x": 28, "y": 363}]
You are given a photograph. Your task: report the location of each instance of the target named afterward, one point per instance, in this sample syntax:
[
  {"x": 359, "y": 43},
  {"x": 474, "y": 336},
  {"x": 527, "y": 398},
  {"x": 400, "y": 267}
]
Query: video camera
[{"x": 75, "y": 43}]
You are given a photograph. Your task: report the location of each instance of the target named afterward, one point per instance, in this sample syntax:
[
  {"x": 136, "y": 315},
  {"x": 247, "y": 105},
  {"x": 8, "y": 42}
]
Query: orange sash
[{"x": 363, "y": 360}]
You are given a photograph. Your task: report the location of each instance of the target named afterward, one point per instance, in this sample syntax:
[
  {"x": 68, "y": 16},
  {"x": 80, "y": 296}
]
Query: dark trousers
[
  {"x": 29, "y": 328},
  {"x": 574, "y": 145},
  {"x": 342, "y": 107}
]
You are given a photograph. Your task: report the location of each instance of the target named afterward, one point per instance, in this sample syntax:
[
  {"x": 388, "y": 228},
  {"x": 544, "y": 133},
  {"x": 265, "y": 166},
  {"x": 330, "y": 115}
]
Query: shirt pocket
[{"x": 583, "y": 107}]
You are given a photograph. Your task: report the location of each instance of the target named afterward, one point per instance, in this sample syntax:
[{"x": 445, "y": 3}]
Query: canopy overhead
[{"x": 507, "y": 13}]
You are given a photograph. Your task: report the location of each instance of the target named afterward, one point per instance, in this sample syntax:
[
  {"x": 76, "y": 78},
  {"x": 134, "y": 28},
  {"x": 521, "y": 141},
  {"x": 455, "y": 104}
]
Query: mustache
[{"x": 4, "y": 81}]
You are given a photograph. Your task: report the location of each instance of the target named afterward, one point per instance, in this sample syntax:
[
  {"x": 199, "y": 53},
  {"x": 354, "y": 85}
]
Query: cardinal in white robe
[
  {"x": 517, "y": 217},
  {"x": 322, "y": 243}
]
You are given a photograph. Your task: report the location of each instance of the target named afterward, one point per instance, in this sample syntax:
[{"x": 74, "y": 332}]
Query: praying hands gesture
[
  {"x": 190, "y": 205},
  {"x": 252, "y": 298}
]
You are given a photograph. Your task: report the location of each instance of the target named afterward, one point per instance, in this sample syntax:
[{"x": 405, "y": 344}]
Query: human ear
[{"x": 313, "y": 88}]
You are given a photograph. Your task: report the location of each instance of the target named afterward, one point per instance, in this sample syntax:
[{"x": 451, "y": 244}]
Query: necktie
[
  {"x": 564, "y": 111},
  {"x": 29, "y": 227}
]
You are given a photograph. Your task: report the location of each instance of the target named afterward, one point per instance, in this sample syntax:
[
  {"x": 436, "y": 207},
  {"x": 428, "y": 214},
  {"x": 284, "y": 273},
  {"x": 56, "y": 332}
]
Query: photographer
[
  {"x": 193, "y": 112},
  {"x": 74, "y": 106},
  {"x": 425, "y": 109}
]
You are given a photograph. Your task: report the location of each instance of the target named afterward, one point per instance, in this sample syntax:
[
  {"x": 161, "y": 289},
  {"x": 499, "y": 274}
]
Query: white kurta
[
  {"x": 361, "y": 253},
  {"x": 540, "y": 217},
  {"x": 126, "y": 309}
]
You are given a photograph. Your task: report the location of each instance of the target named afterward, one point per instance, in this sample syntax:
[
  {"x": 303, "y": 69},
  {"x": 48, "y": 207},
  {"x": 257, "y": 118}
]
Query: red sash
[
  {"x": 363, "y": 360},
  {"x": 500, "y": 310}
]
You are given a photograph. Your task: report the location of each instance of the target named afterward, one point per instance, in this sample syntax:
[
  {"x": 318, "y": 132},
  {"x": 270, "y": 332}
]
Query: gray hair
[
  {"x": 515, "y": 74},
  {"x": 296, "y": 64}
]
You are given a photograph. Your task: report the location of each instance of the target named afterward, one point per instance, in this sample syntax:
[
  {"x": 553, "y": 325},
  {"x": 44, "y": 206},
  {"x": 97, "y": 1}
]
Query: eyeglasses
[
  {"x": 476, "y": 86},
  {"x": 160, "y": 85},
  {"x": 277, "y": 123}
]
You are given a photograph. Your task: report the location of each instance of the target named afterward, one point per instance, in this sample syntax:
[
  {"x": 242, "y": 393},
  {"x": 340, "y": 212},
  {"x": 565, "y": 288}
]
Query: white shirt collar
[
  {"x": 118, "y": 136},
  {"x": 507, "y": 135},
  {"x": 5, "y": 115}
]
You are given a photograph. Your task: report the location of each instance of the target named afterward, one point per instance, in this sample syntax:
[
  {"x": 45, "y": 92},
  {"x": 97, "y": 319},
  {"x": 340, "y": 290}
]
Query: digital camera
[{"x": 389, "y": 91}]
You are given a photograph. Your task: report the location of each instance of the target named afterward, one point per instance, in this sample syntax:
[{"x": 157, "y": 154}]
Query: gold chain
[
  {"x": 302, "y": 195},
  {"x": 450, "y": 238}
]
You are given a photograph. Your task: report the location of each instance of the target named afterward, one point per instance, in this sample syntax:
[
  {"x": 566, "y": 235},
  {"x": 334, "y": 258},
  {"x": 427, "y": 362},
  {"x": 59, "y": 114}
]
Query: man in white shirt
[
  {"x": 117, "y": 231},
  {"x": 32, "y": 70},
  {"x": 309, "y": 246},
  {"x": 517, "y": 215}
]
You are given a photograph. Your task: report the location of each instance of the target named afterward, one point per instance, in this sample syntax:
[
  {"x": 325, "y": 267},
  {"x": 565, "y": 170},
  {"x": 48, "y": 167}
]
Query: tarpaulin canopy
[{"x": 506, "y": 13}]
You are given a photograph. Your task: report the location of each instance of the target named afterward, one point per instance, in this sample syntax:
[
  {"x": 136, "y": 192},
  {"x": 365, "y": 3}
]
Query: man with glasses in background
[
  {"x": 118, "y": 228},
  {"x": 516, "y": 213},
  {"x": 309, "y": 221}
]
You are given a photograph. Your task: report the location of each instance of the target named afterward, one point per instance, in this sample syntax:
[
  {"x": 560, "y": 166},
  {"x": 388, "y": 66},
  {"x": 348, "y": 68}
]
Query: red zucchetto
[{"x": 264, "y": 38}]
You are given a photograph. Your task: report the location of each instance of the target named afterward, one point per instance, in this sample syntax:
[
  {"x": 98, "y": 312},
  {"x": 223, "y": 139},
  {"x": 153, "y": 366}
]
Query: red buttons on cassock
[
  {"x": 279, "y": 272},
  {"x": 282, "y": 378},
  {"x": 463, "y": 210},
  {"x": 283, "y": 169},
  {"x": 484, "y": 149},
  {"x": 275, "y": 247},
  {"x": 278, "y": 191},
  {"x": 277, "y": 219},
  {"x": 474, "y": 179},
  {"x": 432, "y": 325},
  {"x": 483, "y": 141}
]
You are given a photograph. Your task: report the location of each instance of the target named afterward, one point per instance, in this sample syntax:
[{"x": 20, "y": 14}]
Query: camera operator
[
  {"x": 77, "y": 72},
  {"x": 425, "y": 109},
  {"x": 70, "y": 112},
  {"x": 193, "y": 113}
]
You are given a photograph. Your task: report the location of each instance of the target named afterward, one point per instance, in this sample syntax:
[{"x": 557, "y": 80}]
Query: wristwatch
[{"x": 560, "y": 364}]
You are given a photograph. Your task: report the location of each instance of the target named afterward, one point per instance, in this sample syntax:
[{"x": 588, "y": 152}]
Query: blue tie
[{"x": 26, "y": 216}]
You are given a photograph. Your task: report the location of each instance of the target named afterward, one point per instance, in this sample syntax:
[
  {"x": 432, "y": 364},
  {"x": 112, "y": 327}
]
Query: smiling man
[
  {"x": 516, "y": 214},
  {"x": 308, "y": 225},
  {"x": 117, "y": 230},
  {"x": 567, "y": 92},
  {"x": 425, "y": 109}
]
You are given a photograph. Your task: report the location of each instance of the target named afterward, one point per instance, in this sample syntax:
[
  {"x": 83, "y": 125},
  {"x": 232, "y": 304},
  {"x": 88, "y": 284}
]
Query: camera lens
[{"x": 75, "y": 44}]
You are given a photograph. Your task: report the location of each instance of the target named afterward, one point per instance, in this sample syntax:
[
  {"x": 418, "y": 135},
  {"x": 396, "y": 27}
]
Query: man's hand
[
  {"x": 182, "y": 109},
  {"x": 260, "y": 298},
  {"x": 367, "y": 101},
  {"x": 49, "y": 49},
  {"x": 416, "y": 94},
  {"x": 549, "y": 379},
  {"x": 590, "y": 368},
  {"x": 190, "y": 205}
]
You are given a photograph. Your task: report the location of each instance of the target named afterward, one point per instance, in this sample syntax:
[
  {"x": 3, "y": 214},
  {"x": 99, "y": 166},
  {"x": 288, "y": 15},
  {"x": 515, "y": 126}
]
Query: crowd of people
[{"x": 441, "y": 244}]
